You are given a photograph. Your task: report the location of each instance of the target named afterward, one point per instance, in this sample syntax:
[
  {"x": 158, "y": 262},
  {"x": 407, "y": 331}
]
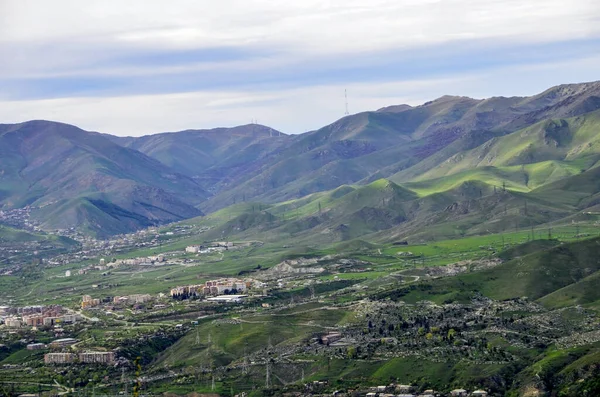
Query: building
[
  {"x": 131, "y": 299},
  {"x": 479, "y": 393},
  {"x": 459, "y": 393},
  {"x": 36, "y": 346},
  {"x": 97, "y": 357},
  {"x": 404, "y": 388},
  {"x": 70, "y": 318},
  {"x": 59, "y": 358},
  {"x": 228, "y": 298},
  {"x": 157, "y": 258},
  {"x": 331, "y": 337},
  {"x": 68, "y": 273},
  {"x": 192, "y": 249},
  {"x": 12, "y": 322},
  {"x": 88, "y": 301},
  {"x": 63, "y": 342},
  {"x": 34, "y": 320},
  {"x": 186, "y": 290},
  {"x": 225, "y": 244}
]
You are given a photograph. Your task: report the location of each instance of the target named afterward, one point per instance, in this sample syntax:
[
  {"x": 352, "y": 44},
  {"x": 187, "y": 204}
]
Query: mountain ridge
[{"x": 136, "y": 181}]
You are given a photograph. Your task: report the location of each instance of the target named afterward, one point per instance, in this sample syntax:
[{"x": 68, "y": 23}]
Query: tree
[{"x": 451, "y": 333}]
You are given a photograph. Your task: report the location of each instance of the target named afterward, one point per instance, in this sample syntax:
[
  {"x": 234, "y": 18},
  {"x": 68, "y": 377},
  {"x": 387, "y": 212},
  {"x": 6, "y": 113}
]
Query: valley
[{"x": 419, "y": 250}]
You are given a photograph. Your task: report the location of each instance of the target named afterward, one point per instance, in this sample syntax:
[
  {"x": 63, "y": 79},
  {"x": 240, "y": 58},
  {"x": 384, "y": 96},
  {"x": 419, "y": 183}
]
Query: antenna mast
[{"x": 346, "y": 99}]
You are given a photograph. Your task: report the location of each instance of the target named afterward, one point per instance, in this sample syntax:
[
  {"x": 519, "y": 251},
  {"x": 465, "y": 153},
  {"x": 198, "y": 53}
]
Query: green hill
[
  {"x": 539, "y": 275},
  {"x": 546, "y": 151},
  {"x": 407, "y": 142},
  {"x": 76, "y": 177}
]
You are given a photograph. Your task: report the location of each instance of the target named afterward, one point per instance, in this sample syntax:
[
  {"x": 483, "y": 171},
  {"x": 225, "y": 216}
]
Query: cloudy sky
[{"x": 137, "y": 67}]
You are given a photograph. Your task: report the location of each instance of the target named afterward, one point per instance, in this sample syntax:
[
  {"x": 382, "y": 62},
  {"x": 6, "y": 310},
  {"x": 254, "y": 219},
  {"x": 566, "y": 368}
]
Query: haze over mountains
[{"x": 454, "y": 161}]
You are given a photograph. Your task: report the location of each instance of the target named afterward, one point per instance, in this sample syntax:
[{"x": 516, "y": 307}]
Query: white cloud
[
  {"x": 40, "y": 38},
  {"x": 291, "y": 110},
  {"x": 310, "y": 26}
]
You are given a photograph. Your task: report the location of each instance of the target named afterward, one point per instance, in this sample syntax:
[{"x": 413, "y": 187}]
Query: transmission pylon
[
  {"x": 346, "y": 100},
  {"x": 245, "y": 363},
  {"x": 268, "y": 380}
]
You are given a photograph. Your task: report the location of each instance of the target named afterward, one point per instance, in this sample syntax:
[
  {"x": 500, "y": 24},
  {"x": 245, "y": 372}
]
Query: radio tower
[{"x": 346, "y": 99}]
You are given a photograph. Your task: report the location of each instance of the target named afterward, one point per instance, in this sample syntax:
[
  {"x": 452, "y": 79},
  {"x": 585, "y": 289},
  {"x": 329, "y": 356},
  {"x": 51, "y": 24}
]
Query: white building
[
  {"x": 12, "y": 322},
  {"x": 192, "y": 249},
  {"x": 68, "y": 273},
  {"x": 228, "y": 298}
]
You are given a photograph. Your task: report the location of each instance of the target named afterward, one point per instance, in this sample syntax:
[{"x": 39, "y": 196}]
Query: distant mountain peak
[{"x": 395, "y": 108}]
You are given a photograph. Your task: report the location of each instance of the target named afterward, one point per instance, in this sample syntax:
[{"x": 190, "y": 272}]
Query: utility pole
[{"x": 268, "y": 380}]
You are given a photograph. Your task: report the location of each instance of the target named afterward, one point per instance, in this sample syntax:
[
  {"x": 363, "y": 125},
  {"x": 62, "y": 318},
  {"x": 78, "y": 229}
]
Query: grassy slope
[
  {"x": 545, "y": 152},
  {"x": 534, "y": 275},
  {"x": 582, "y": 292}
]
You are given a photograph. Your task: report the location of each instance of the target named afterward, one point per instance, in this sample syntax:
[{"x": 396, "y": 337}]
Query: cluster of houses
[
  {"x": 85, "y": 357},
  {"x": 56, "y": 344},
  {"x": 149, "y": 260},
  {"x": 103, "y": 265},
  {"x": 211, "y": 247},
  {"x": 408, "y": 390},
  {"x": 36, "y": 316},
  {"x": 225, "y": 286},
  {"x": 132, "y": 299},
  {"x": 88, "y": 302}
]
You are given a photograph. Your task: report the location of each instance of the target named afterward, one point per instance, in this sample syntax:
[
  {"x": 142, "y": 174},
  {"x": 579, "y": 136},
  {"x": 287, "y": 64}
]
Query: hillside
[
  {"x": 80, "y": 179},
  {"x": 405, "y": 142},
  {"x": 546, "y": 274},
  {"x": 450, "y": 157},
  {"x": 545, "y": 152},
  {"x": 211, "y": 157}
]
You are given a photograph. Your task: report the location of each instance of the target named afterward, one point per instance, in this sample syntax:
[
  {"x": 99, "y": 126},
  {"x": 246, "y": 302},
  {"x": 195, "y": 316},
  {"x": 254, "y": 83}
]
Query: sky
[{"x": 139, "y": 67}]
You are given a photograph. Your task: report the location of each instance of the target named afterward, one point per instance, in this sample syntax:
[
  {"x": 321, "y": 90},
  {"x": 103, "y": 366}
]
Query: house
[
  {"x": 12, "y": 322},
  {"x": 35, "y": 346},
  {"x": 332, "y": 337},
  {"x": 97, "y": 357},
  {"x": 34, "y": 320},
  {"x": 459, "y": 393},
  {"x": 192, "y": 249},
  {"x": 404, "y": 388},
  {"x": 479, "y": 393}
]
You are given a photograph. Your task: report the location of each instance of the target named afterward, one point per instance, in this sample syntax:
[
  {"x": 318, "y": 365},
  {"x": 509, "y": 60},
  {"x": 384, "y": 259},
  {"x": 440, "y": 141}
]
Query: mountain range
[{"x": 455, "y": 165}]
